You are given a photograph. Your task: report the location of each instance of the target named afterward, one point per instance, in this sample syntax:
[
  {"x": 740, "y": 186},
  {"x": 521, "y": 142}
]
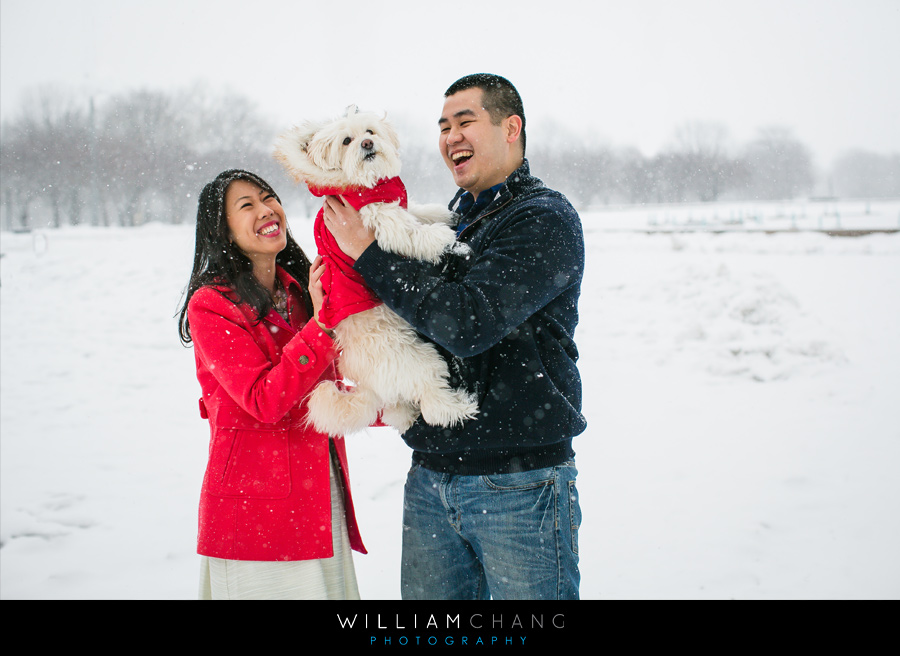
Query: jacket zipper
[{"x": 482, "y": 218}]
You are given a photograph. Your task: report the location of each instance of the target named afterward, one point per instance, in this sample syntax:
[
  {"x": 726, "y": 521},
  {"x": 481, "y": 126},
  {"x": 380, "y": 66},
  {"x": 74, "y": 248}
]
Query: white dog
[{"x": 392, "y": 369}]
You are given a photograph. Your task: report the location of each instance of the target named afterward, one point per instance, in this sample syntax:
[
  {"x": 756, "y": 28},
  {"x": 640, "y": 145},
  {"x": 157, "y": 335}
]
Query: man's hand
[{"x": 344, "y": 223}]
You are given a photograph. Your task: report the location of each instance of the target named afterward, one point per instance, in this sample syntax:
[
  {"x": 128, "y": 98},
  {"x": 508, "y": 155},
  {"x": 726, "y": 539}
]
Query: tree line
[
  {"x": 702, "y": 165},
  {"x": 143, "y": 156}
]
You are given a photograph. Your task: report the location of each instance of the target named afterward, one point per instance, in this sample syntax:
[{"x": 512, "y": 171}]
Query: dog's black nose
[{"x": 367, "y": 144}]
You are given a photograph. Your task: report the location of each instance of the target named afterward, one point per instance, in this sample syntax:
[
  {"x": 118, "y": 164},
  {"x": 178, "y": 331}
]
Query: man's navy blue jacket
[{"x": 504, "y": 317}]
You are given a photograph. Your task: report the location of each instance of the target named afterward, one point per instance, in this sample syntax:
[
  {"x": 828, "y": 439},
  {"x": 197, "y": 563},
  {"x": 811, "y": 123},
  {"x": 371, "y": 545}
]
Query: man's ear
[{"x": 513, "y": 128}]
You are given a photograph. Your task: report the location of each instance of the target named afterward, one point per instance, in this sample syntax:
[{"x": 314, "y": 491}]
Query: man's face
[{"x": 477, "y": 152}]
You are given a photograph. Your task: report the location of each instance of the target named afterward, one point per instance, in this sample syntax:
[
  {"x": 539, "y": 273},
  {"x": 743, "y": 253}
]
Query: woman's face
[{"x": 256, "y": 220}]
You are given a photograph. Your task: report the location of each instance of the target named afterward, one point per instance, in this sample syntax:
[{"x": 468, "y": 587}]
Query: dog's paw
[
  {"x": 401, "y": 416},
  {"x": 447, "y": 407},
  {"x": 432, "y": 213},
  {"x": 431, "y": 241},
  {"x": 399, "y": 231},
  {"x": 336, "y": 412}
]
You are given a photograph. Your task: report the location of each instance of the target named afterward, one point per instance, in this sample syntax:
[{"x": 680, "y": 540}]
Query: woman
[{"x": 276, "y": 516}]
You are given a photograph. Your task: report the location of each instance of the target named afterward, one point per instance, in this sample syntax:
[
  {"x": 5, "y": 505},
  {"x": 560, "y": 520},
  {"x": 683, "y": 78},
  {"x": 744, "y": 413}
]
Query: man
[{"x": 490, "y": 507}]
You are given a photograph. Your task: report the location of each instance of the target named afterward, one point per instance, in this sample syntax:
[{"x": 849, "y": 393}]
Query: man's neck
[{"x": 499, "y": 180}]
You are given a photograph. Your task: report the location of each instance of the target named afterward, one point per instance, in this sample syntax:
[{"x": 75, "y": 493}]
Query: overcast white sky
[{"x": 627, "y": 73}]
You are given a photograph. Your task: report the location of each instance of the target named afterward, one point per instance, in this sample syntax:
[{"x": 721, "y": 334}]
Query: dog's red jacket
[{"x": 345, "y": 291}]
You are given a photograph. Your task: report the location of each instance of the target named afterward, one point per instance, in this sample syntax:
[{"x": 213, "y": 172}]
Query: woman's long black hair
[{"x": 218, "y": 261}]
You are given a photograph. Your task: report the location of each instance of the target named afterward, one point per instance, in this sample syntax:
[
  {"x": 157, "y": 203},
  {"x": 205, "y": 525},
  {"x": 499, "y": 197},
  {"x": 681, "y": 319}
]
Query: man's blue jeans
[{"x": 503, "y": 536}]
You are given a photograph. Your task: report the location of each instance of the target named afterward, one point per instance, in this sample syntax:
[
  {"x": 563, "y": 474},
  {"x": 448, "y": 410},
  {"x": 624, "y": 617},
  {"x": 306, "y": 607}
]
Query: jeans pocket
[{"x": 527, "y": 480}]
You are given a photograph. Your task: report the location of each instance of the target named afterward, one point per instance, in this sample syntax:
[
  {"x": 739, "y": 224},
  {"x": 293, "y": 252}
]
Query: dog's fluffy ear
[
  {"x": 306, "y": 133},
  {"x": 291, "y": 150}
]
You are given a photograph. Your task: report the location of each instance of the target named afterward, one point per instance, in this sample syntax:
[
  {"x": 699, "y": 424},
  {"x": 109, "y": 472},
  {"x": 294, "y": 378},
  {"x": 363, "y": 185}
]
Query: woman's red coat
[{"x": 266, "y": 493}]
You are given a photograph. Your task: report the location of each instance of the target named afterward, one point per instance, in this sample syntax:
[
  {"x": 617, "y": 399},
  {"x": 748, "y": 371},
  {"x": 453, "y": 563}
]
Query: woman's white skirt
[{"x": 323, "y": 578}]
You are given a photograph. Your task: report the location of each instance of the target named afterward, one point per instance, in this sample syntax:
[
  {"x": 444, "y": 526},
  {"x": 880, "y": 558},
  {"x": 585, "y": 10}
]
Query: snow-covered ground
[{"x": 741, "y": 391}]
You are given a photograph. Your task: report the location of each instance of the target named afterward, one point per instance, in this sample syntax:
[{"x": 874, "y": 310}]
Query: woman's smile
[{"x": 271, "y": 229}]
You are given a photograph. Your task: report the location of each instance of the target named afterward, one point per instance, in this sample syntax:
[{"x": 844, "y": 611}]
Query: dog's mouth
[{"x": 370, "y": 156}]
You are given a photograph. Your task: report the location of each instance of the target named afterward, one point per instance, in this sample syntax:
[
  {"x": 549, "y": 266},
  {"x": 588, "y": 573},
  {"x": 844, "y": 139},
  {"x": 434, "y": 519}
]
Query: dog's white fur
[{"x": 392, "y": 369}]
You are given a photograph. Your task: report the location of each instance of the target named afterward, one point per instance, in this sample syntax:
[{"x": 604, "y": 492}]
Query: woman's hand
[
  {"x": 344, "y": 223},
  {"x": 316, "y": 292}
]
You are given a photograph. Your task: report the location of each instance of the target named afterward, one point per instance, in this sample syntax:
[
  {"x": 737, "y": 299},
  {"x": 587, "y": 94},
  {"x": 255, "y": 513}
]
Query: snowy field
[{"x": 741, "y": 391}]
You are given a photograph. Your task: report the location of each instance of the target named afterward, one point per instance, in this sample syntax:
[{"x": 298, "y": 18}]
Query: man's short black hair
[{"x": 500, "y": 98}]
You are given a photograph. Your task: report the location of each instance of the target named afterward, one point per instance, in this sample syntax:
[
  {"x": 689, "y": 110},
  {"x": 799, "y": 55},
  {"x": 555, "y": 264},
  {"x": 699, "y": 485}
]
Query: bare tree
[
  {"x": 863, "y": 174},
  {"x": 697, "y": 164},
  {"x": 781, "y": 166},
  {"x": 44, "y": 154}
]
